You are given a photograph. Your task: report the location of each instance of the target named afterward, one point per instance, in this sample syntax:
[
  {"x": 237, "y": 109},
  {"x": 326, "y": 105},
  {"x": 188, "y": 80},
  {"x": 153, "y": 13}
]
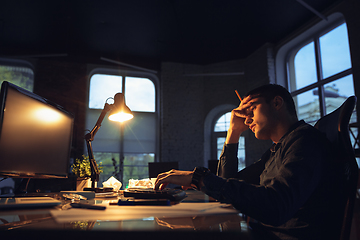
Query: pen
[
  {"x": 238, "y": 95},
  {"x": 87, "y": 206}
]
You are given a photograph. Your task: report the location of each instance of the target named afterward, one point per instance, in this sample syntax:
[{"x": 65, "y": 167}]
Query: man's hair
[{"x": 270, "y": 91}]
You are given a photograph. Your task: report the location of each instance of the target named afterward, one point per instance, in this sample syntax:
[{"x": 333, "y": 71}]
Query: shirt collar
[{"x": 275, "y": 146}]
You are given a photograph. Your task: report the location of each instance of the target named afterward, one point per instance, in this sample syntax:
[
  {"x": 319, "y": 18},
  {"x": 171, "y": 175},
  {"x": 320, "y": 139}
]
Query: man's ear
[{"x": 278, "y": 102}]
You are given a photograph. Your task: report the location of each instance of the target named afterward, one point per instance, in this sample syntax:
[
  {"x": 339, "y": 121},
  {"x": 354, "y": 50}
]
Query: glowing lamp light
[
  {"x": 120, "y": 117},
  {"x": 119, "y": 111}
]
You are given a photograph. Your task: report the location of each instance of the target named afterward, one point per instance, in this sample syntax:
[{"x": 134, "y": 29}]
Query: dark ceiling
[{"x": 147, "y": 32}]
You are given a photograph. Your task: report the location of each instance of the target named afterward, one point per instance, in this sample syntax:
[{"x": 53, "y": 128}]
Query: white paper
[{"x": 112, "y": 183}]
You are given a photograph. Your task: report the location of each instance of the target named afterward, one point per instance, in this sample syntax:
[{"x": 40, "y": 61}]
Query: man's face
[{"x": 260, "y": 118}]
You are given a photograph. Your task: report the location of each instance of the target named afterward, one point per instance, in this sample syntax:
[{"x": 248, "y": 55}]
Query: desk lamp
[{"x": 119, "y": 112}]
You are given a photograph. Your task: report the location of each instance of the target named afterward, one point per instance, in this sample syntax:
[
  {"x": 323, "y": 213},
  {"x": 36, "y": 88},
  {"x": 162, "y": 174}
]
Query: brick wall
[
  {"x": 65, "y": 83},
  {"x": 181, "y": 111}
]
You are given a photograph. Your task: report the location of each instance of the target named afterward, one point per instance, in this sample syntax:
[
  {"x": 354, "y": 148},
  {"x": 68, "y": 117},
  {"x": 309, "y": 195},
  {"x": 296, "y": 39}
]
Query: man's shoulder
[
  {"x": 306, "y": 139},
  {"x": 306, "y": 131},
  {"x": 307, "y": 128}
]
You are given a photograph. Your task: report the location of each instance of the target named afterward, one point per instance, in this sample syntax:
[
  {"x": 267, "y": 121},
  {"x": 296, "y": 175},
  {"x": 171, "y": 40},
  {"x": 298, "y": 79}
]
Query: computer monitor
[{"x": 35, "y": 135}]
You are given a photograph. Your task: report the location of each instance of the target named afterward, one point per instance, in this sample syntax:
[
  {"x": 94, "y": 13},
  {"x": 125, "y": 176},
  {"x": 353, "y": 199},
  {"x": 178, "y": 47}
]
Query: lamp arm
[
  {"x": 89, "y": 137},
  {"x": 95, "y": 173}
]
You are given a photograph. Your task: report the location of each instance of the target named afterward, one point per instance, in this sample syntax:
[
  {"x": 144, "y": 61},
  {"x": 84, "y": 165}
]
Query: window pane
[
  {"x": 305, "y": 67},
  {"x": 140, "y": 133},
  {"x": 337, "y": 92},
  {"x": 335, "y": 53},
  {"x": 140, "y": 94},
  {"x": 307, "y": 105},
  {"x": 108, "y": 162},
  {"x": 20, "y": 76},
  {"x": 103, "y": 86},
  {"x": 241, "y": 153},
  {"x": 220, "y": 145},
  {"x": 223, "y": 123},
  {"x": 136, "y": 166}
]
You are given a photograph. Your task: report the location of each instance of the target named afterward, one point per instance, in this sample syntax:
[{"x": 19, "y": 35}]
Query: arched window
[
  {"x": 221, "y": 126},
  {"x": 320, "y": 74},
  {"x": 124, "y": 150}
]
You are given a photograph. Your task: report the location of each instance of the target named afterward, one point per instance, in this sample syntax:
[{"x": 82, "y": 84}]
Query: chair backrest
[{"x": 336, "y": 127}]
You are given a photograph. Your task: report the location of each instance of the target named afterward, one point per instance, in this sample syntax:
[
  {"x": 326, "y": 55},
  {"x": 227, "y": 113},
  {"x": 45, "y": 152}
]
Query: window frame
[
  {"x": 209, "y": 124},
  {"x": 124, "y": 73},
  {"x": 300, "y": 39},
  {"x": 319, "y": 76},
  {"x": 287, "y": 51},
  {"x": 215, "y": 135}
]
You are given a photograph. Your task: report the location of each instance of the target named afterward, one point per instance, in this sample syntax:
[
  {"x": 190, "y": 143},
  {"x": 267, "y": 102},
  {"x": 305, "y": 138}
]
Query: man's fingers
[
  {"x": 163, "y": 185},
  {"x": 161, "y": 180},
  {"x": 173, "y": 176},
  {"x": 185, "y": 187}
]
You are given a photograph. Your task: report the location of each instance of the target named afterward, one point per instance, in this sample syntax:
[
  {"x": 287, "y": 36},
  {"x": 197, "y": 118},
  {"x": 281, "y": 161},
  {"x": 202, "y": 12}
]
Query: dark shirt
[{"x": 292, "y": 190}]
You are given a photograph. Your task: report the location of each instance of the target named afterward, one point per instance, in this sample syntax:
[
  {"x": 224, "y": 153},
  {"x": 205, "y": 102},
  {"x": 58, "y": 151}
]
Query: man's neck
[{"x": 282, "y": 128}]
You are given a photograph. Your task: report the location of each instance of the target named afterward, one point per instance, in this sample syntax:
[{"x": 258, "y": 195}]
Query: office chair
[{"x": 336, "y": 127}]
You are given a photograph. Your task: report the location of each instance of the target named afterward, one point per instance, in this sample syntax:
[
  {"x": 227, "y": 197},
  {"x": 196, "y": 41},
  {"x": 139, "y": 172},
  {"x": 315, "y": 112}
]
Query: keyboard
[{"x": 149, "y": 193}]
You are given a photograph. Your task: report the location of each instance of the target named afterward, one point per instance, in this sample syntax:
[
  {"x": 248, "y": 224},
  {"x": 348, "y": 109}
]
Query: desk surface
[{"x": 194, "y": 214}]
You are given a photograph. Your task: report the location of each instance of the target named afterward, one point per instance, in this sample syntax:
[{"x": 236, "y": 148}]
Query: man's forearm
[
  {"x": 228, "y": 162},
  {"x": 232, "y": 136}
]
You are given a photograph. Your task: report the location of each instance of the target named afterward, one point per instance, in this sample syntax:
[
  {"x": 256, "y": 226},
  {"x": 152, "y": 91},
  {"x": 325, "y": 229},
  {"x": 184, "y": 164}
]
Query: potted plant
[{"x": 82, "y": 170}]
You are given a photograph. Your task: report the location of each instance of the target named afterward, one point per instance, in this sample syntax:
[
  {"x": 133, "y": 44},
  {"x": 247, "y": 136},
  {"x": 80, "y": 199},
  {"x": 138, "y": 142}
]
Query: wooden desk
[{"x": 42, "y": 222}]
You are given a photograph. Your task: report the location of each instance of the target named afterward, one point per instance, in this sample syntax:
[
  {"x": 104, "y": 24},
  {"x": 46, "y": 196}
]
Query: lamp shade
[{"x": 120, "y": 112}]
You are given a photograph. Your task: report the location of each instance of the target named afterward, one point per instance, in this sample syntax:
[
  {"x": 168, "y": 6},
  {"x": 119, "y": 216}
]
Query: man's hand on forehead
[
  {"x": 254, "y": 96},
  {"x": 244, "y": 109},
  {"x": 247, "y": 102}
]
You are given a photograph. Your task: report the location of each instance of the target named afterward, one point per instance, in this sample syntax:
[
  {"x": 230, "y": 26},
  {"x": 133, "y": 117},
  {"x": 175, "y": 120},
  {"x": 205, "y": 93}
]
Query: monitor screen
[{"x": 35, "y": 135}]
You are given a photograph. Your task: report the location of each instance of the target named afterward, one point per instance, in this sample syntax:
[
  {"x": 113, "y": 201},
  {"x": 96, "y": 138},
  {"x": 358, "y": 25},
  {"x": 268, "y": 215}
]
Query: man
[{"x": 292, "y": 191}]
